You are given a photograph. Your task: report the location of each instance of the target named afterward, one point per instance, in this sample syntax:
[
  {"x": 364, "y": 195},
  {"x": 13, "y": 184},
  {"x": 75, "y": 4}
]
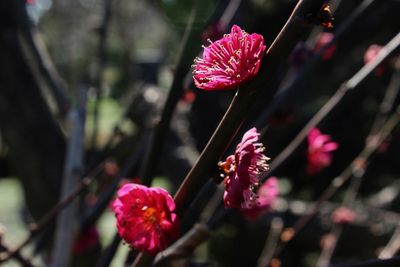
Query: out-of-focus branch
[
  {"x": 108, "y": 254},
  {"x": 293, "y": 79},
  {"x": 187, "y": 51},
  {"x": 386, "y": 105},
  {"x": 364, "y": 155},
  {"x": 347, "y": 86},
  {"x": 392, "y": 246},
  {"x": 17, "y": 256},
  {"x": 393, "y": 262},
  {"x": 271, "y": 242},
  {"x": 34, "y": 229},
  {"x": 359, "y": 171},
  {"x": 101, "y": 62},
  {"x": 67, "y": 223},
  {"x": 43, "y": 62},
  {"x": 198, "y": 234}
]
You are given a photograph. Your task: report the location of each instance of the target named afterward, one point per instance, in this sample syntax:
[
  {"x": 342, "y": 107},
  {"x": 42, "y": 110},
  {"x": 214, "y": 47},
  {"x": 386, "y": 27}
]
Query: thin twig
[
  {"x": 236, "y": 113},
  {"x": 186, "y": 53},
  {"x": 17, "y": 256},
  {"x": 358, "y": 173},
  {"x": 271, "y": 242},
  {"x": 34, "y": 229},
  {"x": 294, "y": 78},
  {"x": 101, "y": 62},
  {"x": 199, "y": 233},
  {"x": 347, "y": 86},
  {"x": 108, "y": 254},
  {"x": 393, "y": 246},
  {"x": 336, "y": 183},
  {"x": 44, "y": 63},
  {"x": 67, "y": 220}
]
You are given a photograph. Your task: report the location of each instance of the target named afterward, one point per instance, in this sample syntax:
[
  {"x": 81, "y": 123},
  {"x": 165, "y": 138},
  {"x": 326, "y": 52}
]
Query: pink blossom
[
  {"x": 267, "y": 193},
  {"x": 145, "y": 218},
  {"x": 343, "y": 215},
  {"x": 319, "y": 152},
  {"x": 229, "y": 61},
  {"x": 371, "y": 53},
  {"x": 242, "y": 175},
  {"x": 323, "y": 39}
]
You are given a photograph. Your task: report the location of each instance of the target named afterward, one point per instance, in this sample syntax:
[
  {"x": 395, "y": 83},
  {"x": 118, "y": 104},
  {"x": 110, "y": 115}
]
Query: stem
[
  {"x": 336, "y": 183},
  {"x": 108, "y": 254},
  {"x": 46, "y": 219},
  {"x": 244, "y": 98},
  {"x": 17, "y": 256},
  {"x": 67, "y": 226},
  {"x": 186, "y": 53},
  {"x": 294, "y": 78},
  {"x": 101, "y": 54},
  {"x": 350, "y": 84},
  {"x": 271, "y": 242}
]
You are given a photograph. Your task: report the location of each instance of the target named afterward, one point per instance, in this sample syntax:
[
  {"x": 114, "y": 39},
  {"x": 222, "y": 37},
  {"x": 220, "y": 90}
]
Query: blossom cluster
[{"x": 145, "y": 215}]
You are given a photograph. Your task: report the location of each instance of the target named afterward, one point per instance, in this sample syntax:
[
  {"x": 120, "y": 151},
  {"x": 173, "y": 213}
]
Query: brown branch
[
  {"x": 67, "y": 223},
  {"x": 271, "y": 242},
  {"x": 245, "y": 96},
  {"x": 101, "y": 61},
  {"x": 347, "y": 86},
  {"x": 34, "y": 229},
  {"x": 354, "y": 166}
]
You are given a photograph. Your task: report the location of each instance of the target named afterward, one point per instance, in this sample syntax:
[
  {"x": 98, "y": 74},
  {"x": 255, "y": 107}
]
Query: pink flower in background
[
  {"x": 267, "y": 193},
  {"x": 319, "y": 152},
  {"x": 230, "y": 61},
  {"x": 145, "y": 218},
  {"x": 371, "y": 54},
  {"x": 343, "y": 215},
  {"x": 323, "y": 39},
  {"x": 242, "y": 175}
]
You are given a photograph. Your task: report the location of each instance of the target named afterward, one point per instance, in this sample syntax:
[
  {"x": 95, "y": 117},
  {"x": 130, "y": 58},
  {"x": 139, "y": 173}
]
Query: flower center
[{"x": 150, "y": 214}]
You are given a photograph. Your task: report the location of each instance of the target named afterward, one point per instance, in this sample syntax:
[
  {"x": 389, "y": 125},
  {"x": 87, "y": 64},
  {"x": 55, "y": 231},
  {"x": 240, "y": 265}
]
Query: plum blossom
[
  {"x": 343, "y": 215},
  {"x": 319, "y": 153},
  {"x": 242, "y": 176},
  {"x": 229, "y": 61},
  {"x": 322, "y": 40},
  {"x": 267, "y": 193},
  {"x": 145, "y": 218},
  {"x": 370, "y": 55}
]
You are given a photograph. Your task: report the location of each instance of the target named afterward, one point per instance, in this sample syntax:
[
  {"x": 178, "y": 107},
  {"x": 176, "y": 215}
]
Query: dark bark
[{"x": 35, "y": 140}]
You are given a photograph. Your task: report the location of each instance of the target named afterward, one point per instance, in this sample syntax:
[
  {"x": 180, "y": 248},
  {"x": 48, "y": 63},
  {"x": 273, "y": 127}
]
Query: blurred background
[{"x": 83, "y": 84}]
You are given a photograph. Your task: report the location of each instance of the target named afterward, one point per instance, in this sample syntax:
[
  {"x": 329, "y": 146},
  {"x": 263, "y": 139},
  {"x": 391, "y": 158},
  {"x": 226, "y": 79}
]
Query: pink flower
[
  {"x": 323, "y": 39},
  {"x": 145, "y": 217},
  {"x": 242, "y": 175},
  {"x": 343, "y": 215},
  {"x": 267, "y": 193},
  {"x": 319, "y": 152},
  {"x": 371, "y": 54},
  {"x": 230, "y": 61}
]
